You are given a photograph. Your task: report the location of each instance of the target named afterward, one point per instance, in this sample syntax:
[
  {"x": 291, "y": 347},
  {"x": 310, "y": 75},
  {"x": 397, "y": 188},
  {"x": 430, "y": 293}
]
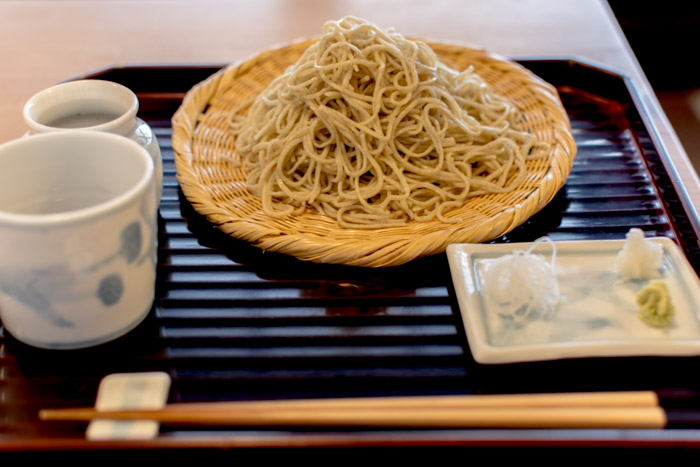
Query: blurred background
[{"x": 665, "y": 37}]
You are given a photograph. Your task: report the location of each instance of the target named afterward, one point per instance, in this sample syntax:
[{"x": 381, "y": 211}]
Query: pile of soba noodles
[{"x": 371, "y": 129}]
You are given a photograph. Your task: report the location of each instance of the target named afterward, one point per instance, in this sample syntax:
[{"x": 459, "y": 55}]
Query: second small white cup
[
  {"x": 78, "y": 225},
  {"x": 94, "y": 105}
]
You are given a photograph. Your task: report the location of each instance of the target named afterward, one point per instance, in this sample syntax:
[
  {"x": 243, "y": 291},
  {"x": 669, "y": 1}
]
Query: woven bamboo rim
[{"x": 218, "y": 191}]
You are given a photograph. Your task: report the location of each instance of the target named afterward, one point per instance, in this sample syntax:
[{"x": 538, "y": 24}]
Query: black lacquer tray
[{"x": 234, "y": 323}]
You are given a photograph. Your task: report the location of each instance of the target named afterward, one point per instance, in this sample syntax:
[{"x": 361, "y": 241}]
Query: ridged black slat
[{"x": 232, "y": 322}]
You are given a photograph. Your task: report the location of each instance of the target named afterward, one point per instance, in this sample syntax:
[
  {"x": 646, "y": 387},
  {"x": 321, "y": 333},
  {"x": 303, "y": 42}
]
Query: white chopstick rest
[{"x": 122, "y": 391}]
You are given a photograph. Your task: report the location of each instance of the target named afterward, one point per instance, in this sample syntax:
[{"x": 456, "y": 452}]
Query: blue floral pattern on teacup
[{"x": 39, "y": 287}]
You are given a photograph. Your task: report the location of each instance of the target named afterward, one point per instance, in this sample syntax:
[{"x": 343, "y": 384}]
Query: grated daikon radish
[
  {"x": 639, "y": 258},
  {"x": 522, "y": 284}
]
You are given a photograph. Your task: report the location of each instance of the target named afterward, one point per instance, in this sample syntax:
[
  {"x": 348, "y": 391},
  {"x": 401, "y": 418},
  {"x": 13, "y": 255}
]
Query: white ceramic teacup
[
  {"x": 77, "y": 238},
  {"x": 94, "y": 105}
]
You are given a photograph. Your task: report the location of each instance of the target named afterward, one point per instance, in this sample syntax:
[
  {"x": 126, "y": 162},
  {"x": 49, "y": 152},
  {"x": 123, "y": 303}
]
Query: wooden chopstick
[{"x": 627, "y": 409}]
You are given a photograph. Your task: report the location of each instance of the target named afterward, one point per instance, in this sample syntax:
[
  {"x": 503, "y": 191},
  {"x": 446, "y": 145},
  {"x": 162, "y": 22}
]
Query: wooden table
[{"x": 45, "y": 42}]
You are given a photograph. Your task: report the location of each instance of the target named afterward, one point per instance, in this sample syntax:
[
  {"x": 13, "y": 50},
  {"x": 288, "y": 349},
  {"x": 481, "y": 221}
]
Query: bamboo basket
[{"x": 218, "y": 191}]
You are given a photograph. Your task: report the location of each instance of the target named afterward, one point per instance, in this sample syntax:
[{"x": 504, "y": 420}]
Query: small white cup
[
  {"x": 94, "y": 105},
  {"x": 77, "y": 238}
]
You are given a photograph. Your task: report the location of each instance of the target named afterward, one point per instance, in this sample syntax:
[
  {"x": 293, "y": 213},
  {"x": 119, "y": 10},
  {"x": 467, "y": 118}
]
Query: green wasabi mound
[{"x": 655, "y": 307}]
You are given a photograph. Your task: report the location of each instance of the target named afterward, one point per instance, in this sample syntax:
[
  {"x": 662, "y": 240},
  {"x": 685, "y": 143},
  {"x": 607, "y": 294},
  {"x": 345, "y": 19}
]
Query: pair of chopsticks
[{"x": 624, "y": 409}]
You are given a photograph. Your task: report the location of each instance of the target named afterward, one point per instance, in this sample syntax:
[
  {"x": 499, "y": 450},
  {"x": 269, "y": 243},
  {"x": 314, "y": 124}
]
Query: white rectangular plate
[{"x": 596, "y": 315}]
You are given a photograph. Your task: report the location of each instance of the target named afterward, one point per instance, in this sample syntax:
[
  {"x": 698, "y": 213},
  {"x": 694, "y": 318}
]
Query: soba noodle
[{"x": 371, "y": 129}]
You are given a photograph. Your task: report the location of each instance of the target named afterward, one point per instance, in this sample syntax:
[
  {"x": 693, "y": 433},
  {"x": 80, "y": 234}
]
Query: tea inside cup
[{"x": 88, "y": 104}]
